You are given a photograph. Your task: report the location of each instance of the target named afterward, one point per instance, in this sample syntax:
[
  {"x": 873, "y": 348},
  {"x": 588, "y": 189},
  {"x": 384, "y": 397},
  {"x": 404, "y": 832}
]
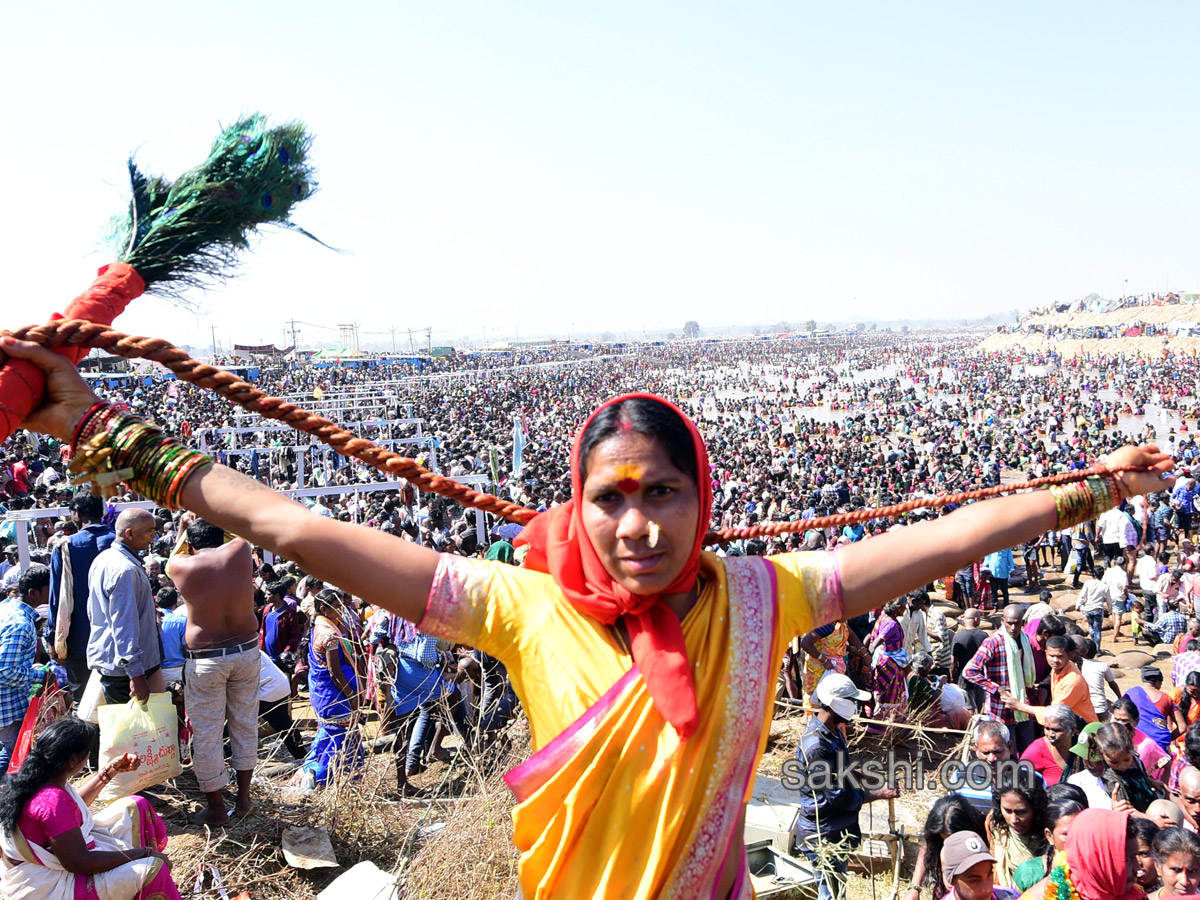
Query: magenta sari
[{"x": 33, "y": 872}]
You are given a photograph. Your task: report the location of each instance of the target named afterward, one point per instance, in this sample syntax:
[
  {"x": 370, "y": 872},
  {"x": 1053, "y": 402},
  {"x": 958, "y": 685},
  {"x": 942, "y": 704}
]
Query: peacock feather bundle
[
  {"x": 181, "y": 234},
  {"x": 188, "y": 233}
]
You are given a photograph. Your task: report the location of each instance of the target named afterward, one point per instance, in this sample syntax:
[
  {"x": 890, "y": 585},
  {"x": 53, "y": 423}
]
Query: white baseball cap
[{"x": 839, "y": 693}]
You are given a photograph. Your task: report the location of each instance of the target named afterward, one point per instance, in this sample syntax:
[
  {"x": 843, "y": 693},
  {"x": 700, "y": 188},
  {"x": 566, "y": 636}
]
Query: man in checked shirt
[
  {"x": 1186, "y": 663},
  {"x": 18, "y": 653},
  {"x": 1003, "y": 664}
]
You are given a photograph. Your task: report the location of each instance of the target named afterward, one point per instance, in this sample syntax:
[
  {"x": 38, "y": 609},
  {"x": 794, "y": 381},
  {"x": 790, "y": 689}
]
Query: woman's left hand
[{"x": 1148, "y": 457}]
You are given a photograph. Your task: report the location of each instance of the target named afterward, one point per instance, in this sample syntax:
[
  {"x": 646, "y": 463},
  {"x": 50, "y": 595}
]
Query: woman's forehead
[{"x": 626, "y": 449}]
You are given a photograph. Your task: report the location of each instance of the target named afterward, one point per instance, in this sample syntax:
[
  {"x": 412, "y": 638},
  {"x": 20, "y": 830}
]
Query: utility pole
[
  {"x": 393, "y": 331},
  {"x": 429, "y": 340},
  {"x": 412, "y": 347},
  {"x": 214, "y": 339},
  {"x": 292, "y": 329}
]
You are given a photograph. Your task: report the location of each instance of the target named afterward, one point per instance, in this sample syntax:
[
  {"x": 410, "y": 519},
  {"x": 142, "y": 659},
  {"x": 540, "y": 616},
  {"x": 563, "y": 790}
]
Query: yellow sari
[
  {"x": 832, "y": 647},
  {"x": 613, "y": 803}
]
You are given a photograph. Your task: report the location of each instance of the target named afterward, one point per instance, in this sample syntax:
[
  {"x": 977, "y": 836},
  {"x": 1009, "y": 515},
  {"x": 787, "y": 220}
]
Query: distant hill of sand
[{"x": 1129, "y": 346}]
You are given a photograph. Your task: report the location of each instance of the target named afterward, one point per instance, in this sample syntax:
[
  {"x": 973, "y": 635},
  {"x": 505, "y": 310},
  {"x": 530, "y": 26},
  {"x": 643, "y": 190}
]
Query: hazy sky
[{"x": 621, "y": 165}]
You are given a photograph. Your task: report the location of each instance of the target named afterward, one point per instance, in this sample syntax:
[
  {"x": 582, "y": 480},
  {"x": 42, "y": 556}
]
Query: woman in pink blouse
[
  {"x": 1051, "y": 754},
  {"x": 55, "y": 849}
]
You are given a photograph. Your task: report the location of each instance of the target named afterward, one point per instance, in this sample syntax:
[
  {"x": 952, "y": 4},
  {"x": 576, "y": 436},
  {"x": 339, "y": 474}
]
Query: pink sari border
[
  {"x": 530, "y": 775},
  {"x": 447, "y": 610},
  {"x": 740, "y": 885}
]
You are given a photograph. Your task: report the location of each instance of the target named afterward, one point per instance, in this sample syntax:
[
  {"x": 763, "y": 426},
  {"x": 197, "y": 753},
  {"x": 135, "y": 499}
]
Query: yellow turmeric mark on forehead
[{"x": 629, "y": 476}]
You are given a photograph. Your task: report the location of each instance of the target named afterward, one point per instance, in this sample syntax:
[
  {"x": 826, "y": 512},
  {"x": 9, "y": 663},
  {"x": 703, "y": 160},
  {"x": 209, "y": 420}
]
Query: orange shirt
[{"x": 1069, "y": 688}]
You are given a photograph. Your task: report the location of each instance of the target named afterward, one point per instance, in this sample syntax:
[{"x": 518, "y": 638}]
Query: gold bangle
[
  {"x": 1083, "y": 501},
  {"x": 117, "y": 447}
]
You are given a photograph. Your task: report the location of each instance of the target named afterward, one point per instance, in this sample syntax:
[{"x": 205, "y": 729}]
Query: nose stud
[{"x": 652, "y": 541}]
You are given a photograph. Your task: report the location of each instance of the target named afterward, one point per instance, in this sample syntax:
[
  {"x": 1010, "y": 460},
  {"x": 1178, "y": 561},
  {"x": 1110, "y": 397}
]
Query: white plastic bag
[
  {"x": 92, "y": 700},
  {"x": 954, "y": 697},
  {"x": 1072, "y": 563},
  {"x": 149, "y": 731}
]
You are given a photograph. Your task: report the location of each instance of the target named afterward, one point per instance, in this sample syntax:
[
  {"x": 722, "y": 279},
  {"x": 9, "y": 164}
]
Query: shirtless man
[{"x": 221, "y": 669}]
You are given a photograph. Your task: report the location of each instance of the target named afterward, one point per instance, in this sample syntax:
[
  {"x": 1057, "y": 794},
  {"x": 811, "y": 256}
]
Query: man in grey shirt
[{"x": 125, "y": 643}]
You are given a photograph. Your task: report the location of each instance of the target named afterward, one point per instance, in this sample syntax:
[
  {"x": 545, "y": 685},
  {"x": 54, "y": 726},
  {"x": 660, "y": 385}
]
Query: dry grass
[
  {"x": 453, "y": 842},
  {"x": 472, "y": 857},
  {"x": 246, "y": 852}
]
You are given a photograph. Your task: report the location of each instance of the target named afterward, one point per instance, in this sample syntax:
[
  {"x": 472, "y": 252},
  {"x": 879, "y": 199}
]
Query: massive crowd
[{"x": 795, "y": 429}]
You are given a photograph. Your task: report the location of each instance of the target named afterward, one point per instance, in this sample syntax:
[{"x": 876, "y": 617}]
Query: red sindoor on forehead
[{"x": 629, "y": 475}]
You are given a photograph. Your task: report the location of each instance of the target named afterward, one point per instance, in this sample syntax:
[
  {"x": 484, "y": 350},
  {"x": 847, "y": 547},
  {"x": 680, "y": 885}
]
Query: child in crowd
[
  {"x": 1145, "y": 830},
  {"x": 1089, "y": 778},
  {"x": 1016, "y": 827},
  {"x": 1137, "y": 621},
  {"x": 948, "y": 815},
  {"x": 1124, "y": 775}
]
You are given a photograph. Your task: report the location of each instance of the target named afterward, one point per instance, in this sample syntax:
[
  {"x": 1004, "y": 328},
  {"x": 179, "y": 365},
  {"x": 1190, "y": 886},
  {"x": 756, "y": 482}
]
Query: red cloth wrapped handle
[{"x": 22, "y": 384}]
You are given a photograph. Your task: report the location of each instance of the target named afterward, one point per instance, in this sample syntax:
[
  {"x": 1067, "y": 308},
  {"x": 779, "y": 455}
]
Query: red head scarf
[
  {"x": 559, "y": 545},
  {"x": 1096, "y": 855}
]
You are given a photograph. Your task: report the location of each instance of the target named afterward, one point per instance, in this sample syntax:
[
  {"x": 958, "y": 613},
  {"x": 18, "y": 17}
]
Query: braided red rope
[{"x": 79, "y": 333}]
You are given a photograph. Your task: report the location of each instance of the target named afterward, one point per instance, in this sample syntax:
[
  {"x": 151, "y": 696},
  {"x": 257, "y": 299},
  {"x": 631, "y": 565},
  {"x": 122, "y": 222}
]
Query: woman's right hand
[
  {"x": 154, "y": 854},
  {"x": 126, "y": 763},
  {"x": 67, "y": 395}
]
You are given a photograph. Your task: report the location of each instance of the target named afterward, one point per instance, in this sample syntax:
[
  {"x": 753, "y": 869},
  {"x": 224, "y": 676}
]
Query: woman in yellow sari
[
  {"x": 646, "y": 666},
  {"x": 825, "y": 650}
]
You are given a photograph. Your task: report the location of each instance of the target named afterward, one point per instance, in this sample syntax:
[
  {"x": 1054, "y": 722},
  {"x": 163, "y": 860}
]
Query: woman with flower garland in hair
[
  {"x": 55, "y": 848},
  {"x": 646, "y": 666},
  {"x": 1098, "y": 861}
]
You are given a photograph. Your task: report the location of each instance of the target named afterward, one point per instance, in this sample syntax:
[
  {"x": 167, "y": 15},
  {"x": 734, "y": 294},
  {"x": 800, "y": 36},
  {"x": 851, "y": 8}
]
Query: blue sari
[
  {"x": 1151, "y": 720},
  {"x": 337, "y": 740}
]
